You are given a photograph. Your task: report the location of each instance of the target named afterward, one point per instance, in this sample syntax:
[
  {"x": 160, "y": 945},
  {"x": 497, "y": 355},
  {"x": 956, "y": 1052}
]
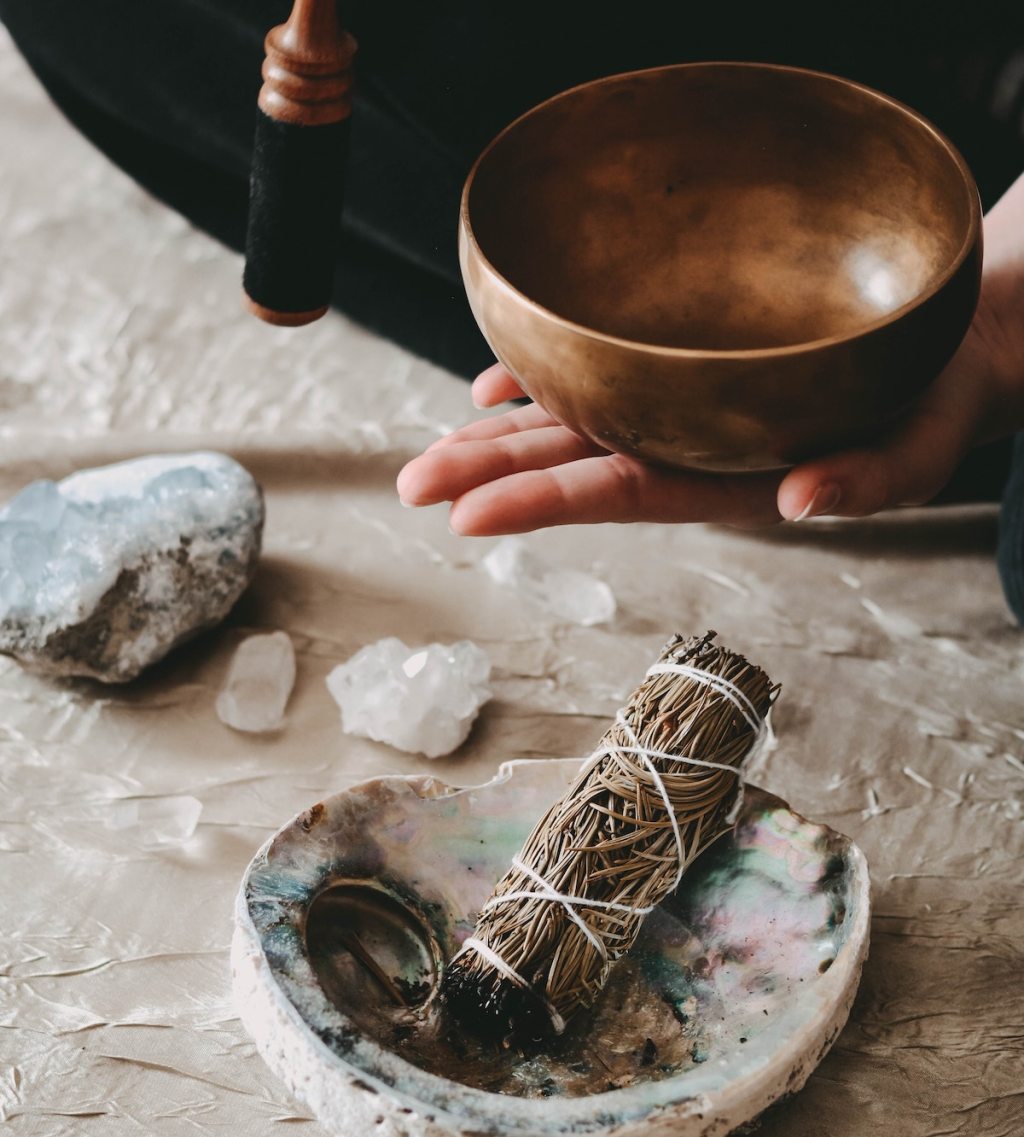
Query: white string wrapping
[{"x": 570, "y": 902}]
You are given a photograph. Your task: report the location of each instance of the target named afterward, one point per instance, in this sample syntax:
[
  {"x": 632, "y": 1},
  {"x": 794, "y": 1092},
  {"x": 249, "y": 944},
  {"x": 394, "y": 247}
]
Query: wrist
[
  {"x": 996, "y": 338},
  {"x": 994, "y": 346}
]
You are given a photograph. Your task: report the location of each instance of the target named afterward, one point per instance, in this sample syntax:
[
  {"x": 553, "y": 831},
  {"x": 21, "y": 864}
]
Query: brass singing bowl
[{"x": 727, "y": 266}]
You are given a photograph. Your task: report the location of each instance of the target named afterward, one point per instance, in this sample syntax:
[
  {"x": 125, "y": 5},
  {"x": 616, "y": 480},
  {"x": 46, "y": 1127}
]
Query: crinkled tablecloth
[{"x": 901, "y": 720}]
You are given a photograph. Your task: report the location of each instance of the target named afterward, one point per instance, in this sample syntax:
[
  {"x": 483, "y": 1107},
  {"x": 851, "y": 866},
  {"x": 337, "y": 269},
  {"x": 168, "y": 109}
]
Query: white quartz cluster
[
  {"x": 103, "y": 573},
  {"x": 567, "y": 594},
  {"x": 423, "y": 700}
]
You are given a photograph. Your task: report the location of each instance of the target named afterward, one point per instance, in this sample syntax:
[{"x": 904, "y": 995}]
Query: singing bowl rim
[{"x": 967, "y": 180}]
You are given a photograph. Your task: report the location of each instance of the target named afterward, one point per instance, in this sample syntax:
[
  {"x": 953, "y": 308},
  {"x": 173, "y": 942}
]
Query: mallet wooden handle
[
  {"x": 307, "y": 72},
  {"x": 299, "y": 160}
]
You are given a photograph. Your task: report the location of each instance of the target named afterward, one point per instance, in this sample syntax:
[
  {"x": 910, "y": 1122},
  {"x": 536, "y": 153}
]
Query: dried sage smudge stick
[{"x": 658, "y": 790}]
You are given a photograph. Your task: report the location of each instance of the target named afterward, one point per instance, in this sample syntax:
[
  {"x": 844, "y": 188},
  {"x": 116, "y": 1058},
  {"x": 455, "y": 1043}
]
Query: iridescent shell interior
[{"x": 748, "y": 971}]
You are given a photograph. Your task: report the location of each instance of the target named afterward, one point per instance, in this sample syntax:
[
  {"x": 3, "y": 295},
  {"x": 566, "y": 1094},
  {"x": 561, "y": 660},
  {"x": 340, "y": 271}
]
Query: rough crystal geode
[{"x": 105, "y": 572}]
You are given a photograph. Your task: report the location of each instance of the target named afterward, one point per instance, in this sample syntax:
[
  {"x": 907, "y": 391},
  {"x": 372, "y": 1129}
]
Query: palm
[{"x": 523, "y": 470}]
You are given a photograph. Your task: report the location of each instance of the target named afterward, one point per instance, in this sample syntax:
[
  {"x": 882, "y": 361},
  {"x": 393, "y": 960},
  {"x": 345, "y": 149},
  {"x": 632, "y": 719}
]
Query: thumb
[{"x": 908, "y": 467}]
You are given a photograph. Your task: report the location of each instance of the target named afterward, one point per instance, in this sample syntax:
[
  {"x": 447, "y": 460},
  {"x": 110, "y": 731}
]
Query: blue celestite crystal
[{"x": 102, "y": 574}]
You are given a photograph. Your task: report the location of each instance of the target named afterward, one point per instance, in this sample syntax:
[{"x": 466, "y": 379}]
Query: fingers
[
  {"x": 445, "y": 473},
  {"x": 522, "y": 471},
  {"x": 908, "y": 468},
  {"x": 856, "y": 483},
  {"x": 494, "y": 386},
  {"x": 512, "y": 422},
  {"x": 611, "y": 487}
]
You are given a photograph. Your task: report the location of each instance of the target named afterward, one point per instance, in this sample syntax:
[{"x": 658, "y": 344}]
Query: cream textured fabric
[{"x": 121, "y": 333}]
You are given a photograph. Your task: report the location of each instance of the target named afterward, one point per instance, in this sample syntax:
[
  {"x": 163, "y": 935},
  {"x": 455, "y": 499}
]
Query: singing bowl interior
[
  {"x": 716, "y": 208},
  {"x": 735, "y": 990}
]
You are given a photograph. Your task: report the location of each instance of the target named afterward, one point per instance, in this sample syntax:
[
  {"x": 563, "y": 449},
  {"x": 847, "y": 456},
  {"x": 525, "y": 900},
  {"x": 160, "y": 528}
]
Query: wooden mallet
[{"x": 298, "y": 166}]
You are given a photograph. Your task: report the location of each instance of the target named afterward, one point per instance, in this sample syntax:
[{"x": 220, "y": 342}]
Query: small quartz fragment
[
  {"x": 566, "y": 593},
  {"x": 423, "y": 700},
  {"x": 159, "y": 821},
  {"x": 104, "y": 573},
  {"x": 258, "y": 683}
]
